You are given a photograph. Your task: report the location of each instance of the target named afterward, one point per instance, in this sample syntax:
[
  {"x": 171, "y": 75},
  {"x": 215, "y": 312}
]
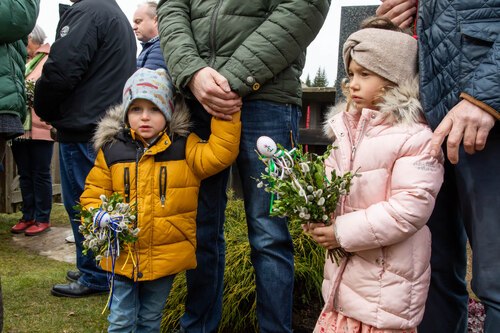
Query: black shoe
[
  {"x": 73, "y": 276},
  {"x": 74, "y": 289}
]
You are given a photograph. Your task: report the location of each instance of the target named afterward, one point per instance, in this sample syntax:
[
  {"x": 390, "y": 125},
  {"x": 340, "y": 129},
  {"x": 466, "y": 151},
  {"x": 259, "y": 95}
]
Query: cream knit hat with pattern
[{"x": 154, "y": 86}]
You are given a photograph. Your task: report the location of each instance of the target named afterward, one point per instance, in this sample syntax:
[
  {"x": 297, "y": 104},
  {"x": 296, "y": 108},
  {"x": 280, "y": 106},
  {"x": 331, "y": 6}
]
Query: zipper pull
[
  {"x": 163, "y": 185},
  {"x": 126, "y": 182}
]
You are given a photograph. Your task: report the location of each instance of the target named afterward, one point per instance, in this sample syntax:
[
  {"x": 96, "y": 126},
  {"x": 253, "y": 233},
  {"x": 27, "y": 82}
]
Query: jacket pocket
[{"x": 477, "y": 40}]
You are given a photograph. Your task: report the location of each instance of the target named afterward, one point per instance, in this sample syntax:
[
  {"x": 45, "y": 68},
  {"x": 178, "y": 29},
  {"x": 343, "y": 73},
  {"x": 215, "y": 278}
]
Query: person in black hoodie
[{"x": 93, "y": 56}]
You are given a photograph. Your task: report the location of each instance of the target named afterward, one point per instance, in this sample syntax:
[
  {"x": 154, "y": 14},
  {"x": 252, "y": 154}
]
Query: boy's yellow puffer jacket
[{"x": 164, "y": 180}]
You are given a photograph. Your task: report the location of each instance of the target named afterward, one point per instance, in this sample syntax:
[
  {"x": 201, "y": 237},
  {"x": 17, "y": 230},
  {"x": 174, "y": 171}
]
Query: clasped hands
[
  {"x": 214, "y": 93},
  {"x": 323, "y": 234}
]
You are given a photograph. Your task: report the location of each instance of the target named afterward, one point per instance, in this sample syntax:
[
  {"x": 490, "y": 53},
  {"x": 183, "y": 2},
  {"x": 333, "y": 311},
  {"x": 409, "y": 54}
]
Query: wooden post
[
  {"x": 10, "y": 193},
  {"x": 6, "y": 182}
]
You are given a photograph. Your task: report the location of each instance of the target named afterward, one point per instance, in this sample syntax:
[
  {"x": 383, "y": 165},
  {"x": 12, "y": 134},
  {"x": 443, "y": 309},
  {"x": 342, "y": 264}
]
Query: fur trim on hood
[
  {"x": 401, "y": 102},
  {"x": 112, "y": 124}
]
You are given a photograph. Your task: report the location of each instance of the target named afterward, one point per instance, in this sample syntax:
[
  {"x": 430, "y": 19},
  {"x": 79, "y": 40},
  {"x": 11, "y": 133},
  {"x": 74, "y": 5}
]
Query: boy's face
[
  {"x": 365, "y": 86},
  {"x": 145, "y": 118}
]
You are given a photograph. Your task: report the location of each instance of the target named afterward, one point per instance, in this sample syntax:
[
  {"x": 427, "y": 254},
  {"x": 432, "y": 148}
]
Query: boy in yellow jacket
[{"x": 146, "y": 153}]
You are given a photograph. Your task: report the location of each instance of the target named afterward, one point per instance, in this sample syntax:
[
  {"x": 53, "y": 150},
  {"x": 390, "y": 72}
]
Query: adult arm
[
  {"x": 400, "y": 12},
  {"x": 467, "y": 123},
  {"x": 17, "y": 19},
  {"x": 69, "y": 59},
  {"x": 189, "y": 71},
  {"x": 470, "y": 121}
]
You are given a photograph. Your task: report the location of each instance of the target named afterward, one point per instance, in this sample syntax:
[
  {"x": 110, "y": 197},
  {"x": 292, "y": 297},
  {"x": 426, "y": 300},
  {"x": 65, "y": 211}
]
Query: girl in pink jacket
[{"x": 380, "y": 132}]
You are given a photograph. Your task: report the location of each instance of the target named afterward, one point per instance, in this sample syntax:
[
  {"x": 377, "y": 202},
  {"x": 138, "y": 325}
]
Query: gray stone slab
[
  {"x": 351, "y": 18},
  {"x": 50, "y": 244}
]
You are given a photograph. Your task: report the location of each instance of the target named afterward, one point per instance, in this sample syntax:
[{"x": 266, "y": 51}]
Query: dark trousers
[
  {"x": 33, "y": 159},
  {"x": 468, "y": 204}
]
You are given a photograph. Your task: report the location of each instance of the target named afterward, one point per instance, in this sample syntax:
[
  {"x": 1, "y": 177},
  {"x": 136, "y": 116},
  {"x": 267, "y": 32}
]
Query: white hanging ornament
[{"x": 266, "y": 146}]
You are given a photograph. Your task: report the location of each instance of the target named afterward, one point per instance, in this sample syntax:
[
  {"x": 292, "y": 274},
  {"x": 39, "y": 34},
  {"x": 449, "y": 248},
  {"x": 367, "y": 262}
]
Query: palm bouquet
[
  {"x": 299, "y": 186},
  {"x": 107, "y": 230},
  {"x": 30, "y": 92}
]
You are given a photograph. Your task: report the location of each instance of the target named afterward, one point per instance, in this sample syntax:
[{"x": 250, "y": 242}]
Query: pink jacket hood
[{"x": 382, "y": 221}]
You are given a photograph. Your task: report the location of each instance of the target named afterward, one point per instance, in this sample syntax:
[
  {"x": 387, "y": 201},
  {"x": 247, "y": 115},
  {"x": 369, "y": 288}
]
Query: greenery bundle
[
  {"x": 109, "y": 228},
  {"x": 300, "y": 187}
]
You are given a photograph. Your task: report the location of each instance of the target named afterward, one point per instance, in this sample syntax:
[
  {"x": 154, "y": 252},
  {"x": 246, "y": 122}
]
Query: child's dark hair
[{"x": 380, "y": 22}]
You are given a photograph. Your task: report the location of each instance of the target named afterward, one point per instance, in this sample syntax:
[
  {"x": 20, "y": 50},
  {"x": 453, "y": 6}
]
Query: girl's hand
[{"x": 322, "y": 234}]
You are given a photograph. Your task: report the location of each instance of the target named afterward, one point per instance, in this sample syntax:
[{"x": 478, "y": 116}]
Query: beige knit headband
[{"x": 390, "y": 54}]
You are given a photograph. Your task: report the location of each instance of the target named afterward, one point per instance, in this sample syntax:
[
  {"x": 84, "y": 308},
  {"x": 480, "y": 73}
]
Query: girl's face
[
  {"x": 365, "y": 87},
  {"x": 145, "y": 118}
]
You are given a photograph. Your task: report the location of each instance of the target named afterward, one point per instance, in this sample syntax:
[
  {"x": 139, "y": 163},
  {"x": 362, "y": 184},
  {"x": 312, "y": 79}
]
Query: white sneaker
[{"x": 70, "y": 239}]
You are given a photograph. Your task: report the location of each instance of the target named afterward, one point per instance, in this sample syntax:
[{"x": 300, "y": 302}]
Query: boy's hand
[
  {"x": 400, "y": 12},
  {"x": 322, "y": 234},
  {"x": 212, "y": 90}
]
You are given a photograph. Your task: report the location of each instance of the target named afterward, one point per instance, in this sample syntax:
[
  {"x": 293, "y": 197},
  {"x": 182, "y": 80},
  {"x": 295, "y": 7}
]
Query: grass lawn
[{"x": 26, "y": 282}]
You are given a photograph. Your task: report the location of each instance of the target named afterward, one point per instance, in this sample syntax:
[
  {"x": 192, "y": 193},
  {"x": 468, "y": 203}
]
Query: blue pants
[
  {"x": 76, "y": 160},
  {"x": 138, "y": 306},
  {"x": 270, "y": 241},
  {"x": 468, "y": 204},
  {"x": 33, "y": 159}
]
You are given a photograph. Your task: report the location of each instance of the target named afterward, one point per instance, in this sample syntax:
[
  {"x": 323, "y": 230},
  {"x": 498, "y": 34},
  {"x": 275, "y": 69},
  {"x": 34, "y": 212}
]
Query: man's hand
[
  {"x": 213, "y": 92},
  {"x": 400, "y": 12},
  {"x": 322, "y": 234},
  {"x": 465, "y": 123}
]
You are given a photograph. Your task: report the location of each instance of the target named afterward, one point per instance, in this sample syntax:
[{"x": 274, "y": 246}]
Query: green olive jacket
[
  {"x": 17, "y": 20},
  {"x": 258, "y": 46}
]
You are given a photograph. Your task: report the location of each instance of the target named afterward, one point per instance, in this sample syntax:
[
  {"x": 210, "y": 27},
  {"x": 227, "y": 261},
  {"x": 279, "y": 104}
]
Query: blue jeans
[
  {"x": 467, "y": 205},
  {"x": 76, "y": 161},
  {"x": 138, "y": 306},
  {"x": 33, "y": 159},
  {"x": 270, "y": 241}
]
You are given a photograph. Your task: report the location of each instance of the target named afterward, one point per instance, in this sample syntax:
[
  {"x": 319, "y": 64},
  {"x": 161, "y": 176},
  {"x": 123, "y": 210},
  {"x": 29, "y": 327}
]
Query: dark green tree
[
  {"x": 308, "y": 81},
  {"x": 320, "y": 79}
]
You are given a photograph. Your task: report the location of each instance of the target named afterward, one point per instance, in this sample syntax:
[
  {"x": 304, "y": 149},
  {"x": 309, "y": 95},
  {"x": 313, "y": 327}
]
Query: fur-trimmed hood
[
  {"x": 112, "y": 124},
  {"x": 401, "y": 103}
]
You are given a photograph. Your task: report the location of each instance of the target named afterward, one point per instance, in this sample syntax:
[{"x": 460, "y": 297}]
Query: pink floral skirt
[{"x": 333, "y": 322}]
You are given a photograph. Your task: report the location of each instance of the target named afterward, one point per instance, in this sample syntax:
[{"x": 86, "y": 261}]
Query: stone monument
[{"x": 350, "y": 20}]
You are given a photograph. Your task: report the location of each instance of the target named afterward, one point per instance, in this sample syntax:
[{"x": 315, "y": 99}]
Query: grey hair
[
  {"x": 152, "y": 5},
  {"x": 38, "y": 35}
]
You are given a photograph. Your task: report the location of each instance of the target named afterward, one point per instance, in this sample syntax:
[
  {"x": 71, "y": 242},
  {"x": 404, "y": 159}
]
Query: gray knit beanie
[
  {"x": 154, "y": 86},
  {"x": 390, "y": 54}
]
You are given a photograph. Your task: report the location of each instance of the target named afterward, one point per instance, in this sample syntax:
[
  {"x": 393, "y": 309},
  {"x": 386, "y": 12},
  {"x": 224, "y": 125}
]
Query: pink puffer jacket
[{"x": 382, "y": 220}]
